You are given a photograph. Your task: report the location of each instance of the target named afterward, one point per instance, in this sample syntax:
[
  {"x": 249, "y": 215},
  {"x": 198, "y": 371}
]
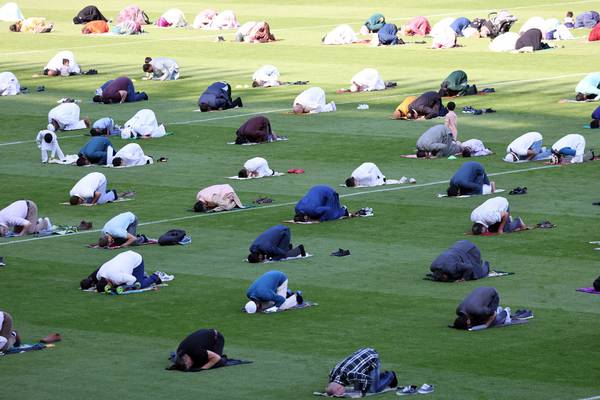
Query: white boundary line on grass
[
  {"x": 591, "y": 398},
  {"x": 161, "y": 221},
  {"x": 341, "y": 103},
  {"x": 210, "y": 34}
]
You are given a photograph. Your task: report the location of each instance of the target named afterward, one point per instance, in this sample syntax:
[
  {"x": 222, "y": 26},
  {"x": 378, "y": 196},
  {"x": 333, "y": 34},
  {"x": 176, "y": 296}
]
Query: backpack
[
  {"x": 171, "y": 237},
  {"x": 477, "y": 23},
  {"x": 133, "y": 13}
]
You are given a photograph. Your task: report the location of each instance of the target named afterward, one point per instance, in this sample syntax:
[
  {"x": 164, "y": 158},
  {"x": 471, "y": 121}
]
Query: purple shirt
[{"x": 112, "y": 91}]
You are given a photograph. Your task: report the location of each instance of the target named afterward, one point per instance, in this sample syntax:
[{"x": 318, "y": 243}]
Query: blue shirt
[
  {"x": 321, "y": 202},
  {"x": 117, "y": 226},
  {"x": 470, "y": 177},
  {"x": 106, "y": 123},
  {"x": 387, "y": 34},
  {"x": 264, "y": 289},
  {"x": 95, "y": 149},
  {"x": 216, "y": 95},
  {"x": 596, "y": 113},
  {"x": 274, "y": 242},
  {"x": 459, "y": 24}
]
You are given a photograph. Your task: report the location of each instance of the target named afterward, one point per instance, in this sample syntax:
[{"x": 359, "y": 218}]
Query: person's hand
[{"x": 271, "y": 309}]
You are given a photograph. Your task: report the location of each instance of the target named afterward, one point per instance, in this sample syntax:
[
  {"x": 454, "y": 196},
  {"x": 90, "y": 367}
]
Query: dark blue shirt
[
  {"x": 387, "y": 34},
  {"x": 470, "y": 177},
  {"x": 217, "y": 95},
  {"x": 321, "y": 202},
  {"x": 274, "y": 242}
]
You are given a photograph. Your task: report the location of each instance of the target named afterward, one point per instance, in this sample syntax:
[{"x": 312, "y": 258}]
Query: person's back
[
  {"x": 320, "y": 202},
  {"x": 197, "y": 343},
  {"x": 95, "y": 144},
  {"x": 531, "y": 38},
  {"x": 479, "y": 305},
  {"x": 434, "y": 137},
  {"x": 388, "y": 35},
  {"x": 589, "y": 85},
  {"x": 264, "y": 288},
  {"x": 119, "y": 269},
  {"x": 87, "y": 186},
  {"x": 490, "y": 211},
  {"x": 255, "y": 130},
  {"x": 462, "y": 261},
  {"x": 111, "y": 92},
  {"x": 217, "y": 95},
  {"x": 469, "y": 178},
  {"x": 368, "y": 174},
  {"x": 311, "y": 98},
  {"x": 523, "y": 143},
  {"x": 368, "y": 79},
  {"x": 459, "y": 24},
  {"x": 266, "y": 242}
]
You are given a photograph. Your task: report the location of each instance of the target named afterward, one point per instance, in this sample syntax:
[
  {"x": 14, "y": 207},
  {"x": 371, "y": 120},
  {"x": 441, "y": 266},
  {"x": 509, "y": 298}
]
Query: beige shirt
[{"x": 219, "y": 198}]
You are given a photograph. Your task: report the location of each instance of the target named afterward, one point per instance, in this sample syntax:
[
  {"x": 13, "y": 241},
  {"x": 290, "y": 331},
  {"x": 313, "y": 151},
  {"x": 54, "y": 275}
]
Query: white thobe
[
  {"x": 267, "y": 75},
  {"x": 342, "y": 34},
  {"x": 67, "y": 116},
  {"x": 521, "y": 145},
  {"x": 132, "y": 155},
  {"x": 505, "y": 42},
  {"x": 9, "y": 84},
  {"x": 52, "y": 147},
  {"x": 143, "y": 123},
  {"x": 56, "y": 63},
  {"x": 368, "y": 174},
  {"x": 573, "y": 141},
  {"x": 368, "y": 79},
  {"x": 258, "y": 166}
]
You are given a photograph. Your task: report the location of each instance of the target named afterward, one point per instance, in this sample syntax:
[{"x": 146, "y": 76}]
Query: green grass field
[{"x": 118, "y": 346}]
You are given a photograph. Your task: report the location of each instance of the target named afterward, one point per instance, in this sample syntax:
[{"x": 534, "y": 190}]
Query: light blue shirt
[
  {"x": 589, "y": 84},
  {"x": 117, "y": 226},
  {"x": 106, "y": 123}
]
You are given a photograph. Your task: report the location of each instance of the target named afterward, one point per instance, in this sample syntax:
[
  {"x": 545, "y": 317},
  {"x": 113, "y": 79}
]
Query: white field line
[
  {"x": 195, "y": 216},
  {"x": 211, "y": 34},
  {"x": 193, "y": 121},
  {"x": 591, "y": 398}
]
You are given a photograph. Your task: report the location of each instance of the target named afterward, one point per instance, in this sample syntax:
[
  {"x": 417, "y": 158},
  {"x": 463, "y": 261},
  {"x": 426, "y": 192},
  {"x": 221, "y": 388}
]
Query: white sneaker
[
  {"x": 412, "y": 180},
  {"x": 403, "y": 179},
  {"x": 164, "y": 277},
  {"x": 271, "y": 310},
  {"x": 47, "y": 224},
  {"x": 333, "y": 107}
]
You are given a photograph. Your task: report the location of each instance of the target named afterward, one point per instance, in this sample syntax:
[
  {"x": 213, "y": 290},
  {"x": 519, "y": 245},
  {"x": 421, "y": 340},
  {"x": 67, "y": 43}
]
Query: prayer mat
[
  {"x": 354, "y": 394},
  {"x": 589, "y": 290},
  {"x": 229, "y": 363},
  {"x": 315, "y": 221},
  {"x": 279, "y": 139},
  {"x": 284, "y": 259},
  {"x": 133, "y": 291},
  {"x": 529, "y": 228},
  {"x": 95, "y": 245},
  {"x": 491, "y": 274},
  {"x": 387, "y": 182},
  {"x": 512, "y": 323},
  {"x": 464, "y": 196},
  {"x": 69, "y": 159},
  {"x": 23, "y": 348},
  {"x": 66, "y": 203},
  {"x": 305, "y": 304},
  {"x": 255, "y": 177}
]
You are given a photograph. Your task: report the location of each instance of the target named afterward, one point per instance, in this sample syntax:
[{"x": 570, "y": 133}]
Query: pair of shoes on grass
[{"x": 414, "y": 389}]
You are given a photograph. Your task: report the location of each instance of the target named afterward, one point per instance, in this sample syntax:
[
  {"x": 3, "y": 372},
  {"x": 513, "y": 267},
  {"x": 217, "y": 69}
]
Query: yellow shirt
[
  {"x": 31, "y": 24},
  {"x": 403, "y": 107}
]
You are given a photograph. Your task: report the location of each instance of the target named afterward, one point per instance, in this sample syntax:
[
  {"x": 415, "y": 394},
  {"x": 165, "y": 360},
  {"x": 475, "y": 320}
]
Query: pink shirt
[
  {"x": 450, "y": 123},
  {"x": 221, "y": 197}
]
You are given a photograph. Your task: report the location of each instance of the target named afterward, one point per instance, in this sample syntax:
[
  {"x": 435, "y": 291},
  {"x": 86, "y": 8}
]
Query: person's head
[
  {"x": 511, "y": 157},
  {"x": 183, "y": 362},
  {"x": 421, "y": 154},
  {"x": 243, "y": 173},
  {"x": 203, "y": 107},
  {"x": 453, "y": 191},
  {"x": 451, "y": 106},
  {"x": 555, "y": 158},
  {"x": 97, "y": 99},
  {"x": 254, "y": 258},
  {"x": 75, "y": 200},
  {"x": 14, "y": 28},
  {"x": 595, "y": 124},
  {"x": 354, "y": 87},
  {"x": 335, "y": 389},
  {"x": 82, "y": 160},
  {"x": 48, "y": 138},
  {"x": 53, "y": 126},
  {"x": 147, "y": 68},
  {"x": 597, "y": 284},
  {"x": 251, "y": 307},
  {"x": 440, "y": 276},
  {"x": 147, "y": 60},
  {"x": 3, "y": 230},
  {"x": 255, "y": 84},
  {"x": 570, "y": 14},
  {"x": 104, "y": 241},
  {"x": 65, "y": 62},
  {"x": 580, "y": 97},
  {"x": 102, "y": 284},
  {"x": 300, "y": 217},
  {"x": 478, "y": 228},
  {"x": 96, "y": 132},
  {"x": 298, "y": 108},
  {"x": 462, "y": 322},
  {"x": 350, "y": 182},
  {"x": 117, "y": 161},
  {"x": 199, "y": 206},
  {"x": 466, "y": 152},
  {"x": 86, "y": 283}
]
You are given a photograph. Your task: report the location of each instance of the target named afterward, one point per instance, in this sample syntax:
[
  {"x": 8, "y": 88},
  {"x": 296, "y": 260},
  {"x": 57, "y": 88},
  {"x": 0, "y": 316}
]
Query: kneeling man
[
  {"x": 270, "y": 293},
  {"x": 494, "y": 216},
  {"x": 312, "y": 101},
  {"x": 321, "y": 203},
  {"x": 217, "y": 198},
  {"x": 470, "y": 179},
  {"x": 367, "y": 174},
  {"x": 274, "y": 244},
  {"x": 461, "y": 262}
]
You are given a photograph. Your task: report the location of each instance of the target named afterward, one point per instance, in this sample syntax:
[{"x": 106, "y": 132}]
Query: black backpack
[
  {"x": 171, "y": 237},
  {"x": 477, "y": 23},
  {"x": 597, "y": 284}
]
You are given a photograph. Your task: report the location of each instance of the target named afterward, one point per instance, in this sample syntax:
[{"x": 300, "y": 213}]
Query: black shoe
[
  {"x": 302, "y": 251},
  {"x": 40, "y": 88},
  {"x": 341, "y": 253},
  {"x": 299, "y": 297},
  {"x": 2, "y": 263},
  {"x": 394, "y": 382}
]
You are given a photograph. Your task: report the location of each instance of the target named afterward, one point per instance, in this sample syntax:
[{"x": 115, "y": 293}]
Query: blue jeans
[
  {"x": 132, "y": 95},
  {"x": 567, "y": 151},
  {"x": 539, "y": 154},
  {"x": 140, "y": 276},
  {"x": 379, "y": 381}
]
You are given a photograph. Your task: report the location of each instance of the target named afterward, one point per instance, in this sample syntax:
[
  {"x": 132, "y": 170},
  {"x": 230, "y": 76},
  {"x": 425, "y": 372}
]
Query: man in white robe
[
  {"x": 130, "y": 155},
  {"x": 143, "y": 124},
  {"x": 367, "y": 174},
  {"x": 91, "y": 190},
  {"x": 367, "y": 80},
  {"x": 570, "y": 146},
  {"x": 256, "y": 167},
  {"x": 312, "y": 101},
  {"x": 65, "y": 117},
  {"x": 342, "y": 34},
  {"x": 9, "y": 84},
  {"x": 475, "y": 148},
  {"x": 266, "y": 76},
  {"x": 63, "y": 64}
]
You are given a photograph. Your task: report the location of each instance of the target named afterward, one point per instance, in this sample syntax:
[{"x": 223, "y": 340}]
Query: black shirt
[{"x": 196, "y": 344}]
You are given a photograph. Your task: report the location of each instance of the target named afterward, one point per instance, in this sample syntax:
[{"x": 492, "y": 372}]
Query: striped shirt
[{"x": 354, "y": 369}]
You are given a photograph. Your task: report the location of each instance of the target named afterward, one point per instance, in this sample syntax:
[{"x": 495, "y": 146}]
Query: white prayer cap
[
  {"x": 509, "y": 157},
  {"x": 126, "y": 133},
  {"x": 250, "y": 307},
  {"x": 51, "y": 127}
]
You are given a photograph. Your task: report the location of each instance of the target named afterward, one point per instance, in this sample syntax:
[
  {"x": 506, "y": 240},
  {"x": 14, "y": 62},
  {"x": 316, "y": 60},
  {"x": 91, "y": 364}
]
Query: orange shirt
[{"x": 95, "y": 27}]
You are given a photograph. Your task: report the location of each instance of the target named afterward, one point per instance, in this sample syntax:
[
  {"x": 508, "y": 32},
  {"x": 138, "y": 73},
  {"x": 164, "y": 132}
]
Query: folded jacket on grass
[
  {"x": 305, "y": 304},
  {"x": 354, "y": 394},
  {"x": 255, "y": 177},
  {"x": 589, "y": 290},
  {"x": 464, "y": 196}
]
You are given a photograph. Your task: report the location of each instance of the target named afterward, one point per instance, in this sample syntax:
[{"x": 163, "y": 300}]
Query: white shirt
[
  {"x": 10, "y": 12},
  {"x": 534, "y": 23},
  {"x": 521, "y": 145},
  {"x": 120, "y": 268},
  {"x": 67, "y": 116},
  {"x": 132, "y": 155},
  {"x": 175, "y": 17},
  {"x": 311, "y": 99},
  {"x": 490, "y": 212},
  {"x": 505, "y": 42},
  {"x": 9, "y": 84},
  {"x": 163, "y": 67},
  {"x": 56, "y": 63},
  {"x": 143, "y": 123},
  {"x": 87, "y": 186},
  {"x": 441, "y": 26},
  {"x": 267, "y": 75},
  {"x": 368, "y": 79},
  {"x": 573, "y": 141},
  {"x": 258, "y": 166},
  {"x": 477, "y": 147},
  {"x": 342, "y": 34},
  {"x": 226, "y": 19},
  {"x": 367, "y": 174},
  {"x": 15, "y": 214}
]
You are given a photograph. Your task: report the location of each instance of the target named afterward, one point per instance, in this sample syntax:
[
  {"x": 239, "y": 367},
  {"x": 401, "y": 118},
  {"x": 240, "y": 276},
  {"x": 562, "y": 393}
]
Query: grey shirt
[
  {"x": 438, "y": 139},
  {"x": 479, "y": 305}
]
